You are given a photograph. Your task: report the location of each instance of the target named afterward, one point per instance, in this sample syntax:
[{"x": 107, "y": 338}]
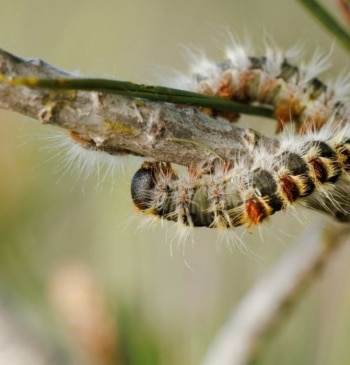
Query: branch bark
[{"x": 122, "y": 125}]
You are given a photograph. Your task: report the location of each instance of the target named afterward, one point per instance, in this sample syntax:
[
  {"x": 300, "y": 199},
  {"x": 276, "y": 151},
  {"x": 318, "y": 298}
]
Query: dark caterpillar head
[
  {"x": 142, "y": 184},
  {"x": 145, "y": 180}
]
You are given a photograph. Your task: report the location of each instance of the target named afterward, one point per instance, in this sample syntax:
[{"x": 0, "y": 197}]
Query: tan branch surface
[
  {"x": 122, "y": 125},
  {"x": 242, "y": 338}
]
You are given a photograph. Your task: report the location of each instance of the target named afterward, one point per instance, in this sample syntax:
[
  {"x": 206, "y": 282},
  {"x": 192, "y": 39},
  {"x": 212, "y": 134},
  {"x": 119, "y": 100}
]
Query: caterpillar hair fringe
[
  {"x": 238, "y": 192},
  {"x": 294, "y": 93},
  {"x": 82, "y": 157}
]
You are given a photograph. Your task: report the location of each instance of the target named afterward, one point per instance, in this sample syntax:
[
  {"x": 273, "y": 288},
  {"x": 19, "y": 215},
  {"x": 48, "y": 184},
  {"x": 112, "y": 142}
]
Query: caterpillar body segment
[{"x": 296, "y": 94}]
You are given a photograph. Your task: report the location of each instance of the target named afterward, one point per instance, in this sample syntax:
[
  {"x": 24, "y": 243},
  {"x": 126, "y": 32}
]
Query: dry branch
[{"x": 122, "y": 125}]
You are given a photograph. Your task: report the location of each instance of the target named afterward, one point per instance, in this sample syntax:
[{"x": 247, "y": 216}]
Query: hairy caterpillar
[
  {"x": 294, "y": 93},
  {"x": 243, "y": 192}
]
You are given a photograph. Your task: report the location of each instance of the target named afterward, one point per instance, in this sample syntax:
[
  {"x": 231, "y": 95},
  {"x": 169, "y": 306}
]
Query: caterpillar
[
  {"x": 240, "y": 192},
  {"x": 294, "y": 93}
]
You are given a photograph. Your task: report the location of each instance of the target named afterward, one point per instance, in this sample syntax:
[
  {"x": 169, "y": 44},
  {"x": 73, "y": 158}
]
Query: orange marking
[
  {"x": 290, "y": 188},
  {"x": 255, "y": 210}
]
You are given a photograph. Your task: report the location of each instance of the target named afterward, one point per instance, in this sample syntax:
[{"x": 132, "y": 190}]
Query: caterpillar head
[
  {"x": 142, "y": 184},
  {"x": 145, "y": 180}
]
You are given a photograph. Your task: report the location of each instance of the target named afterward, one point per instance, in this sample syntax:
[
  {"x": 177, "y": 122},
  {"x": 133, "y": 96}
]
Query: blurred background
[{"x": 81, "y": 280}]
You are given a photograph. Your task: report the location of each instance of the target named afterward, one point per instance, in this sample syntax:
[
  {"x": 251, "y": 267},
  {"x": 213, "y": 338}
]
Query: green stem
[
  {"x": 153, "y": 93},
  {"x": 327, "y": 21}
]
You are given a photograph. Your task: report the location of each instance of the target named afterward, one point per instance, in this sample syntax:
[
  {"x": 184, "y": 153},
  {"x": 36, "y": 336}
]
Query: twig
[
  {"x": 149, "y": 92},
  {"x": 322, "y": 15},
  {"x": 124, "y": 125},
  {"x": 242, "y": 338}
]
